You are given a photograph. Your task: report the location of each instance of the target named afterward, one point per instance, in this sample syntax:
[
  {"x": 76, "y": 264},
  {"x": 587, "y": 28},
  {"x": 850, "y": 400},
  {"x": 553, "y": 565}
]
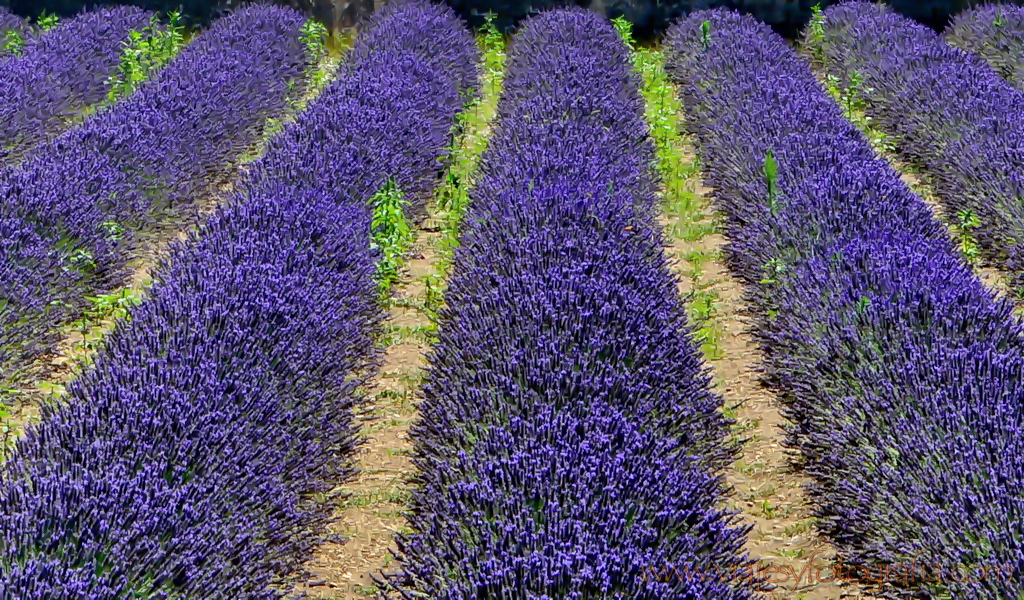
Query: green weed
[
  {"x": 15, "y": 43},
  {"x": 469, "y": 141},
  {"x": 144, "y": 53},
  {"x": 771, "y": 176},
  {"x": 678, "y": 172},
  {"x": 816, "y": 34},
  {"x": 47, "y": 21},
  {"x": 392, "y": 235},
  {"x": 966, "y": 222}
]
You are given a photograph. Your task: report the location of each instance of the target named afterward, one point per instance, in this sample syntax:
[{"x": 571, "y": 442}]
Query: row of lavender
[
  {"x": 996, "y": 33},
  {"x": 74, "y": 213},
  {"x": 569, "y": 441},
  {"x": 59, "y": 74},
  {"x": 901, "y": 372},
  {"x": 185, "y": 462},
  {"x": 950, "y": 113}
]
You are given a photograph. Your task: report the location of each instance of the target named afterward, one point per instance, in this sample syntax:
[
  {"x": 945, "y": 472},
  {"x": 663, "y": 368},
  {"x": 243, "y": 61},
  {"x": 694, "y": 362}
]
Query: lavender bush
[
  {"x": 901, "y": 372},
  {"x": 569, "y": 441},
  {"x": 996, "y": 33},
  {"x": 185, "y": 462},
  {"x": 949, "y": 112},
  {"x": 59, "y": 74},
  {"x": 72, "y": 211}
]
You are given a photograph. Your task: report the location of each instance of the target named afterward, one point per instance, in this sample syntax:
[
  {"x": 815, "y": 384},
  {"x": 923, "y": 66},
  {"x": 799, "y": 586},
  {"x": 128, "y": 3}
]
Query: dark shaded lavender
[
  {"x": 994, "y": 32},
  {"x": 569, "y": 441},
  {"x": 59, "y": 74},
  {"x": 184, "y": 463},
  {"x": 949, "y": 112},
  {"x": 901, "y": 371},
  {"x": 141, "y": 162}
]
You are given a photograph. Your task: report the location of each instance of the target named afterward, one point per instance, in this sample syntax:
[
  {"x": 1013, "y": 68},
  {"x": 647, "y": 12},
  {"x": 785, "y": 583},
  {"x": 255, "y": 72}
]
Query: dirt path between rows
[{"x": 372, "y": 508}]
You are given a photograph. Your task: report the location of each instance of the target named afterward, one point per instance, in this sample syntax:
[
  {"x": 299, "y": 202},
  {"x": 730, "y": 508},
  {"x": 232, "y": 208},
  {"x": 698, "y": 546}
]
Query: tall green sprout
[
  {"x": 144, "y": 53},
  {"x": 391, "y": 235}
]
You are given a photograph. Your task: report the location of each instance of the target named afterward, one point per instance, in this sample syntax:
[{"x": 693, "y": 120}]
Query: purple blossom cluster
[
  {"x": 60, "y": 74},
  {"x": 569, "y": 441},
  {"x": 950, "y": 113},
  {"x": 75, "y": 210},
  {"x": 901, "y": 373},
  {"x": 186, "y": 462},
  {"x": 996, "y": 33}
]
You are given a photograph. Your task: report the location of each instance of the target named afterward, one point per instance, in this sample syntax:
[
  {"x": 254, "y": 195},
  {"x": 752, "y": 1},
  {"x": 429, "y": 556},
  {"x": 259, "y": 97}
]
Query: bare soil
[{"x": 372, "y": 507}]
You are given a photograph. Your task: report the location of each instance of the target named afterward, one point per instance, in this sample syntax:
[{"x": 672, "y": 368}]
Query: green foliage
[
  {"x": 82, "y": 260},
  {"x": 773, "y": 269},
  {"x": 492, "y": 43},
  {"x": 999, "y": 20},
  {"x": 680, "y": 201},
  {"x": 492, "y": 39},
  {"x": 771, "y": 176},
  {"x": 113, "y": 230},
  {"x": 97, "y": 319},
  {"x": 314, "y": 37},
  {"x": 15, "y": 43},
  {"x": 8, "y": 433},
  {"x": 471, "y": 134},
  {"x": 105, "y": 308},
  {"x": 625, "y": 30},
  {"x": 816, "y": 33},
  {"x": 434, "y": 297},
  {"x": 967, "y": 221},
  {"x": 144, "y": 53},
  {"x": 851, "y": 97},
  {"x": 47, "y": 21},
  {"x": 391, "y": 235},
  {"x": 705, "y": 34}
]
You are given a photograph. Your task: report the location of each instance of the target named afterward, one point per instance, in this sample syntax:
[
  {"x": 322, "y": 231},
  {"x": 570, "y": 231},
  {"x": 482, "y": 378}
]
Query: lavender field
[{"x": 420, "y": 311}]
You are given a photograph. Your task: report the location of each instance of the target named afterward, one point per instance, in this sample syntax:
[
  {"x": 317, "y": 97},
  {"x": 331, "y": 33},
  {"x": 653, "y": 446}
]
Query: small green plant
[
  {"x": 47, "y": 21},
  {"x": 492, "y": 38},
  {"x": 863, "y": 304},
  {"x": 112, "y": 306},
  {"x": 101, "y": 311},
  {"x": 113, "y": 230},
  {"x": 999, "y": 21},
  {"x": 392, "y": 235},
  {"x": 434, "y": 297},
  {"x": 15, "y": 43},
  {"x": 773, "y": 268},
  {"x": 816, "y": 33},
  {"x": 854, "y": 100},
  {"x": 469, "y": 140},
  {"x": 771, "y": 176},
  {"x": 966, "y": 222},
  {"x": 82, "y": 260},
  {"x": 625, "y": 30},
  {"x": 314, "y": 37},
  {"x": 144, "y": 53},
  {"x": 705, "y": 35}
]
